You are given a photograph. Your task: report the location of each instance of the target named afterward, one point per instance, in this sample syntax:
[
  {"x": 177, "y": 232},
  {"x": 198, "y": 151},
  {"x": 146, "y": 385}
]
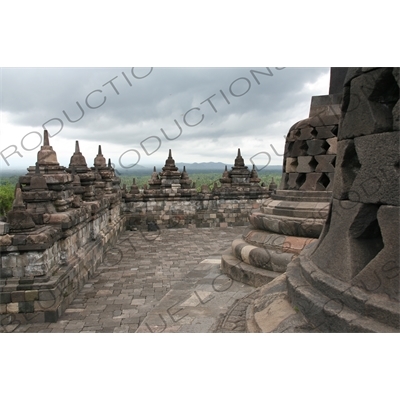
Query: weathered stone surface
[
  {"x": 382, "y": 274},
  {"x": 325, "y": 132},
  {"x": 332, "y": 142},
  {"x": 368, "y": 104},
  {"x": 299, "y": 148},
  {"x": 316, "y": 147},
  {"x": 307, "y": 133},
  {"x": 326, "y": 163},
  {"x": 351, "y": 241},
  {"x": 292, "y": 183},
  {"x": 338, "y": 75},
  {"x": 242, "y": 272},
  {"x": 46, "y": 155},
  {"x": 378, "y": 178},
  {"x": 347, "y": 167},
  {"x": 5, "y": 240},
  {"x": 291, "y": 164},
  {"x": 306, "y": 164},
  {"x": 314, "y": 181},
  {"x": 396, "y": 116}
]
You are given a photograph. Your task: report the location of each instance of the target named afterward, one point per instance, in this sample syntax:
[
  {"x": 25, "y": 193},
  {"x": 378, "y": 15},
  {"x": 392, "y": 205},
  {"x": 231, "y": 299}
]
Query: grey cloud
[{"x": 32, "y": 96}]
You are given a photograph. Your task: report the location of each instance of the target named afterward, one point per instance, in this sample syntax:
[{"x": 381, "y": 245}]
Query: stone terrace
[{"x": 164, "y": 281}]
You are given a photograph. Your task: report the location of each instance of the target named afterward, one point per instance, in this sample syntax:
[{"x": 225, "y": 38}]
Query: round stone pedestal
[{"x": 288, "y": 221}]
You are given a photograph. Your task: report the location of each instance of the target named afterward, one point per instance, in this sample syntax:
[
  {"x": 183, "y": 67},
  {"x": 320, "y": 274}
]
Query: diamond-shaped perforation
[
  {"x": 300, "y": 180},
  {"x": 324, "y": 180}
]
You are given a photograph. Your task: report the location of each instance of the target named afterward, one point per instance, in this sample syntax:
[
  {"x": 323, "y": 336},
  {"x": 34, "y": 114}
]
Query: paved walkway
[{"x": 166, "y": 281}]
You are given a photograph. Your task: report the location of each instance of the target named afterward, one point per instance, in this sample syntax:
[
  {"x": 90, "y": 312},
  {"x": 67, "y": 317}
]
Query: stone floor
[{"x": 165, "y": 281}]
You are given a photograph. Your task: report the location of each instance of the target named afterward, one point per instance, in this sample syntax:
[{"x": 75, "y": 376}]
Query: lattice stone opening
[{"x": 324, "y": 180}]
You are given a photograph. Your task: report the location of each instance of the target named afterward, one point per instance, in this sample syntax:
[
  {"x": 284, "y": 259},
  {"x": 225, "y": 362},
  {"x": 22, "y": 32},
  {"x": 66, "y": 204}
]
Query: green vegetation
[
  {"x": 7, "y": 188},
  {"x": 6, "y": 198}
]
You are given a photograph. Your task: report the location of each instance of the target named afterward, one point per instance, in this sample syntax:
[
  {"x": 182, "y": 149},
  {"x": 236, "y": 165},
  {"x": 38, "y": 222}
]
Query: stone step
[
  {"x": 299, "y": 195},
  {"x": 299, "y": 209},
  {"x": 266, "y": 258},
  {"x": 278, "y": 242},
  {"x": 328, "y": 313},
  {"x": 242, "y": 272},
  {"x": 292, "y": 226}
]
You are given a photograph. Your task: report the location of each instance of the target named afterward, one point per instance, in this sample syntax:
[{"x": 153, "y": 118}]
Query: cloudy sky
[{"x": 202, "y": 114}]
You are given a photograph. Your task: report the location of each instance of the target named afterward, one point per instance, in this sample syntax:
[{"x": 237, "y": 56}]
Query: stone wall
[
  {"x": 212, "y": 212},
  {"x": 37, "y": 284},
  {"x": 61, "y": 222}
]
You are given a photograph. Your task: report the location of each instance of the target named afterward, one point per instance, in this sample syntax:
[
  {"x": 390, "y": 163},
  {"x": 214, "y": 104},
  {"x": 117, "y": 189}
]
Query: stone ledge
[
  {"x": 245, "y": 273},
  {"x": 333, "y": 314}
]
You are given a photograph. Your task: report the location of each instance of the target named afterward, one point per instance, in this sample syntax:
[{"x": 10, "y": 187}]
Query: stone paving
[{"x": 164, "y": 281}]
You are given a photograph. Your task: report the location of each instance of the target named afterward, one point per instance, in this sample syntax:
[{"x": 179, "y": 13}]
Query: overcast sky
[{"x": 125, "y": 110}]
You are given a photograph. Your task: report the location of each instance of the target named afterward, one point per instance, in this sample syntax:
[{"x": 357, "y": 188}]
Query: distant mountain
[
  {"x": 136, "y": 170},
  {"x": 203, "y": 166},
  {"x": 220, "y": 167},
  {"x": 5, "y": 172}
]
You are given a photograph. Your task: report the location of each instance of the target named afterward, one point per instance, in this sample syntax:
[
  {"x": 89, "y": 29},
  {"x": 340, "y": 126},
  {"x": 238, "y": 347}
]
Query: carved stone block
[
  {"x": 316, "y": 147},
  {"x": 382, "y": 275},
  {"x": 325, "y": 132},
  {"x": 332, "y": 142},
  {"x": 313, "y": 182},
  {"x": 368, "y": 104},
  {"x": 325, "y": 163},
  {"x": 306, "y": 164},
  {"x": 378, "y": 178},
  {"x": 291, "y": 164},
  {"x": 351, "y": 241}
]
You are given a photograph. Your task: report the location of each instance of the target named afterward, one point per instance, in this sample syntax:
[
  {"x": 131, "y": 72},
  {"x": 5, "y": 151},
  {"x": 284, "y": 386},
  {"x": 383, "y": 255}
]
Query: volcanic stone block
[
  {"x": 368, "y": 105},
  {"x": 332, "y": 142},
  {"x": 324, "y": 120},
  {"x": 396, "y": 75},
  {"x": 347, "y": 167},
  {"x": 381, "y": 275},
  {"x": 26, "y": 307},
  {"x": 292, "y": 181},
  {"x": 288, "y": 149},
  {"x": 396, "y": 116},
  {"x": 291, "y": 164},
  {"x": 338, "y": 75},
  {"x": 292, "y": 136},
  {"x": 313, "y": 182},
  {"x": 325, "y": 163},
  {"x": 284, "y": 182},
  {"x": 378, "y": 178},
  {"x": 330, "y": 176},
  {"x": 5, "y": 297},
  {"x": 351, "y": 240},
  {"x": 307, "y": 133},
  {"x": 299, "y": 149},
  {"x": 306, "y": 164},
  {"x": 325, "y": 132},
  {"x": 316, "y": 147},
  {"x": 352, "y": 72}
]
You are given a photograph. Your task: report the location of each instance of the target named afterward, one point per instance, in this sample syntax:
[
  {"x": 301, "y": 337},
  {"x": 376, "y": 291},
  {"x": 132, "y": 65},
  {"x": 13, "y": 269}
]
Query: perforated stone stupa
[
  {"x": 349, "y": 279},
  {"x": 294, "y": 215}
]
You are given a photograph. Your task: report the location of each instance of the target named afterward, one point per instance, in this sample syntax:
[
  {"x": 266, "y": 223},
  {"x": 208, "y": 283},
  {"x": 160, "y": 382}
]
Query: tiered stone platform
[
  {"x": 60, "y": 223},
  {"x": 171, "y": 199}
]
